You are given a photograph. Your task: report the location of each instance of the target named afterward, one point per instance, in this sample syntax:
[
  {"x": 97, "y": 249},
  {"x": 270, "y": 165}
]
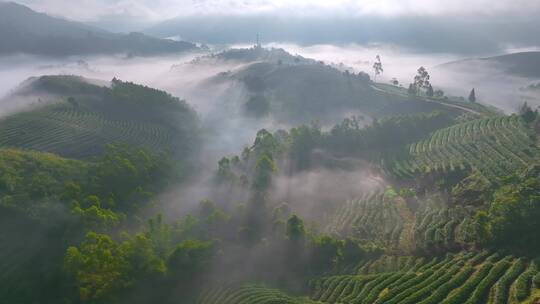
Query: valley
[{"x": 138, "y": 169}]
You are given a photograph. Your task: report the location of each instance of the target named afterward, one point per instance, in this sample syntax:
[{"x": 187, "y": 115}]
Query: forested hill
[
  {"x": 301, "y": 93},
  {"x": 455, "y": 221},
  {"x": 431, "y": 200},
  {"x": 451, "y": 218},
  {"x": 23, "y": 30},
  {"x": 80, "y": 159},
  {"x": 254, "y": 54},
  {"x": 71, "y": 117},
  {"x": 294, "y": 90}
]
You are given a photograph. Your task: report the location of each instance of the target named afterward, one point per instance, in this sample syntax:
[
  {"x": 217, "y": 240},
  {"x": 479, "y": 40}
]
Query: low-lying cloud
[
  {"x": 227, "y": 131},
  {"x": 163, "y": 9},
  {"x": 492, "y": 84}
]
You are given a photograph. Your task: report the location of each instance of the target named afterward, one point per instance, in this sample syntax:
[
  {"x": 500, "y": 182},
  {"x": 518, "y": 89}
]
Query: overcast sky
[
  {"x": 482, "y": 27},
  {"x": 156, "y": 10}
]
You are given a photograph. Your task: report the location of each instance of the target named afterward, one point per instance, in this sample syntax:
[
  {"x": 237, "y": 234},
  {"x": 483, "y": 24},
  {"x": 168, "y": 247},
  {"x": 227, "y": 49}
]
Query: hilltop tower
[{"x": 258, "y": 42}]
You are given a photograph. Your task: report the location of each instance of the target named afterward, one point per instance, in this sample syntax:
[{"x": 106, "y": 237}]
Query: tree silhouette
[
  {"x": 472, "y": 96},
  {"x": 421, "y": 81},
  {"x": 429, "y": 91},
  {"x": 377, "y": 66},
  {"x": 295, "y": 229},
  {"x": 527, "y": 113}
]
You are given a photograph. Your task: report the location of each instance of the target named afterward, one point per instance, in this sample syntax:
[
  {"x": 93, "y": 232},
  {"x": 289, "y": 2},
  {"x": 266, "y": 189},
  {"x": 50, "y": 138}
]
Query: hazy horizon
[{"x": 469, "y": 28}]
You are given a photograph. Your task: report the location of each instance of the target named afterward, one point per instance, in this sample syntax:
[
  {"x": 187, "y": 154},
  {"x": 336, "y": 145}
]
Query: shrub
[
  {"x": 465, "y": 290},
  {"x": 523, "y": 282},
  {"x": 443, "y": 290},
  {"x": 483, "y": 287},
  {"x": 503, "y": 285}
]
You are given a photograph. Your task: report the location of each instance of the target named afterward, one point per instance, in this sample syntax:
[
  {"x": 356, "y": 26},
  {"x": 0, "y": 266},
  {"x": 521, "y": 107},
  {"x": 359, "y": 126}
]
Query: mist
[
  {"x": 315, "y": 194},
  {"x": 177, "y": 76},
  {"x": 494, "y": 86},
  {"x": 464, "y": 34},
  {"x": 219, "y": 104},
  {"x": 265, "y": 151},
  {"x": 226, "y": 128}
]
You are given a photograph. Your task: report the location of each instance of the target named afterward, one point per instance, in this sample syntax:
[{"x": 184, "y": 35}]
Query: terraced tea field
[
  {"x": 443, "y": 227},
  {"x": 433, "y": 227},
  {"x": 466, "y": 277},
  {"x": 496, "y": 146},
  {"x": 249, "y": 294},
  {"x": 390, "y": 222},
  {"x": 377, "y": 216},
  {"x": 462, "y": 278},
  {"x": 77, "y": 133}
]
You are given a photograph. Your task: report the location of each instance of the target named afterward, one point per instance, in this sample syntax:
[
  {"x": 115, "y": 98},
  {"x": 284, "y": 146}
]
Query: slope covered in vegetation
[
  {"x": 493, "y": 146},
  {"x": 475, "y": 184},
  {"x": 421, "y": 207},
  {"x": 466, "y": 277},
  {"x": 48, "y": 202},
  {"x": 81, "y": 119},
  {"x": 85, "y": 160},
  {"x": 23, "y": 30},
  {"x": 296, "y": 90}
]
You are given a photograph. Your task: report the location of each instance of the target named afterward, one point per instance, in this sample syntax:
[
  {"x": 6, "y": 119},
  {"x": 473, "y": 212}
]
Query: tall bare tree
[{"x": 377, "y": 67}]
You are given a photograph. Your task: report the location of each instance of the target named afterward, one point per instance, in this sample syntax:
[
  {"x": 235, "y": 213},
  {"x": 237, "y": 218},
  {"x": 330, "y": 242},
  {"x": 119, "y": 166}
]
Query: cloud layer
[{"x": 155, "y": 10}]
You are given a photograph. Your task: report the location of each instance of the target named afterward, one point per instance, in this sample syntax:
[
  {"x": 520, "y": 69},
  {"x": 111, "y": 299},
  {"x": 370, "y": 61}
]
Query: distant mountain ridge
[
  {"x": 523, "y": 64},
  {"x": 23, "y": 30},
  {"x": 253, "y": 54}
]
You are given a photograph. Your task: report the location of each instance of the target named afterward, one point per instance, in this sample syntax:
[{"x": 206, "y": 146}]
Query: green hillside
[
  {"x": 494, "y": 146},
  {"x": 48, "y": 202},
  {"x": 301, "y": 92},
  {"x": 253, "y": 54},
  {"x": 83, "y": 118},
  {"x": 408, "y": 199},
  {"x": 83, "y": 158},
  {"x": 249, "y": 294},
  {"x": 457, "y": 184},
  {"x": 378, "y": 217},
  {"x": 456, "y": 102},
  {"x": 389, "y": 220},
  {"x": 467, "y": 277}
]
